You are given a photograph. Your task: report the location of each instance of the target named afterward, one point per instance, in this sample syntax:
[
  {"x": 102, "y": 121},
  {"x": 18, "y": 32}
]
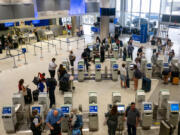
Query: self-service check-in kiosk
[
  {"x": 115, "y": 53},
  {"x": 113, "y": 61},
  {"x": 149, "y": 70},
  {"x": 80, "y": 72},
  {"x": 165, "y": 66},
  {"x": 139, "y": 98},
  {"x": 92, "y": 98},
  {"x": 128, "y": 61},
  {"x": 116, "y": 97},
  {"x": 40, "y": 110},
  {"x": 66, "y": 109},
  {"x": 68, "y": 98},
  {"x": 131, "y": 71},
  {"x": 43, "y": 99},
  {"x": 115, "y": 72},
  {"x": 143, "y": 65},
  {"x": 163, "y": 102},
  {"x": 98, "y": 71},
  {"x": 173, "y": 113},
  {"x": 18, "y": 98},
  {"x": 121, "y": 112},
  {"x": 65, "y": 63},
  {"x": 146, "y": 115},
  {"x": 9, "y": 118},
  {"x": 93, "y": 117}
]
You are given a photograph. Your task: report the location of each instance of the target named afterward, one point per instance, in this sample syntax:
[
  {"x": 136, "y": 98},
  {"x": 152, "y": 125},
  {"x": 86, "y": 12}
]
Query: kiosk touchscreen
[
  {"x": 93, "y": 109},
  {"x": 147, "y": 107},
  {"x": 115, "y": 66},
  {"x": 98, "y": 66},
  {"x": 174, "y": 107},
  {"x": 6, "y": 110},
  {"x": 80, "y": 67},
  {"x": 65, "y": 109},
  {"x": 38, "y": 108},
  {"x": 121, "y": 108}
]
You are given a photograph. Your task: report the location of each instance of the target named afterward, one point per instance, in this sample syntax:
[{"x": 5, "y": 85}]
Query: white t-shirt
[
  {"x": 52, "y": 66},
  {"x": 123, "y": 71}
]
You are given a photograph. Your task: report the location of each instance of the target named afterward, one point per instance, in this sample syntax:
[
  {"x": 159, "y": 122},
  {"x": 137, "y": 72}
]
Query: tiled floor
[{"x": 9, "y": 80}]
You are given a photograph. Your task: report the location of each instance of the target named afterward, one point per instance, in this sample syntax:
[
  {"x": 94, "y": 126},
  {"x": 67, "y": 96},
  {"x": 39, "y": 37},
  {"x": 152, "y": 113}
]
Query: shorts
[{"x": 123, "y": 78}]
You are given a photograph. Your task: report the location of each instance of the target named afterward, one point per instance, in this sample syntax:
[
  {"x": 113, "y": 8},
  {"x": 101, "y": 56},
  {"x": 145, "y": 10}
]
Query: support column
[
  {"x": 57, "y": 21},
  {"x": 107, "y": 9},
  {"x": 104, "y": 27},
  {"x": 73, "y": 20}
]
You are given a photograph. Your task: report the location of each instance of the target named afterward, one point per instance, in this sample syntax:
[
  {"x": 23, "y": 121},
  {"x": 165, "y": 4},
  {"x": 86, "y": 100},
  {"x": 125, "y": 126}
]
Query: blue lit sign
[
  {"x": 35, "y": 21},
  {"x": 80, "y": 66},
  {"x": 93, "y": 109},
  {"x": 115, "y": 66},
  {"x": 147, "y": 107},
  {"x": 77, "y": 7},
  {"x": 175, "y": 107},
  {"x": 6, "y": 110},
  {"x": 98, "y": 66},
  {"x": 65, "y": 109},
  {"x": 9, "y": 24},
  {"x": 37, "y": 108},
  {"x": 121, "y": 108}
]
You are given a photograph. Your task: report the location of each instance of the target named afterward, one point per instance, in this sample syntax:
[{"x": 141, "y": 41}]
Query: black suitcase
[
  {"x": 35, "y": 95},
  {"x": 15, "y": 45},
  {"x": 0, "y": 50},
  {"x": 146, "y": 84},
  {"x": 127, "y": 80},
  {"x": 64, "y": 86},
  {"x": 28, "y": 97}
]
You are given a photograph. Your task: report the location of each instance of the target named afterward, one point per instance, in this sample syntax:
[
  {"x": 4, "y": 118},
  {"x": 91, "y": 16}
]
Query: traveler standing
[
  {"x": 51, "y": 86},
  {"x": 133, "y": 116},
  {"x": 123, "y": 75},
  {"x": 53, "y": 121},
  {"x": 52, "y": 67},
  {"x": 85, "y": 57},
  {"x": 112, "y": 120},
  {"x": 72, "y": 58},
  {"x": 36, "y": 123},
  {"x": 137, "y": 76},
  {"x": 22, "y": 88},
  {"x": 102, "y": 52},
  {"x": 130, "y": 50}
]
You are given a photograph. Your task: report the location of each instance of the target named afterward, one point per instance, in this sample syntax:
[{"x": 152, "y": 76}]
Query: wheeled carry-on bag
[
  {"x": 175, "y": 80},
  {"x": 35, "y": 95},
  {"x": 28, "y": 97},
  {"x": 166, "y": 128},
  {"x": 146, "y": 84}
]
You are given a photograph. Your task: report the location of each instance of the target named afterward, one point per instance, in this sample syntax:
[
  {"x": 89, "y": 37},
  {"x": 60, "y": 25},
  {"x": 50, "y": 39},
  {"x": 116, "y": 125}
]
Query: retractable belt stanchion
[
  {"x": 56, "y": 50},
  {"x": 77, "y": 43},
  {"x": 15, "y": 66},
  {"x": 60, "y": 44},
  {"x": 25, "y": 62},
  {"x": 84, "y": 43},
  {"x": 18, "y": 56},
  {"x": 48, "y": 45},
  {"x": 27, "y": 47},
  {"x": 34, "y": 50}
]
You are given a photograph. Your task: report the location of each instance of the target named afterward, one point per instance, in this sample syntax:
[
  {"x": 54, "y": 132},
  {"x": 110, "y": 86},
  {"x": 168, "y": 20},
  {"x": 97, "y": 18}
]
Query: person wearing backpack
[
  {"x": 132, "y": 115},
  {"x": 137, "y": 76},
  {"x": 130, "y": 50},
  {"x": 112, "y": 120},
  {"x": 72, "y": 58},
  {"x": 36, "y": 123}
]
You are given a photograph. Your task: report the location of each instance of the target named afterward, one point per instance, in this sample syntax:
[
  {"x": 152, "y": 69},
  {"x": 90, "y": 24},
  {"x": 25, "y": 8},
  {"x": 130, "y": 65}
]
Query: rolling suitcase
[
  {"x": 146, "y": 84},
  {"x": 35, "y": 95},
  {"x": 127, "y": 81},
  {"x": 166, "y": 128},
  {"x": 175, "y": 80}
]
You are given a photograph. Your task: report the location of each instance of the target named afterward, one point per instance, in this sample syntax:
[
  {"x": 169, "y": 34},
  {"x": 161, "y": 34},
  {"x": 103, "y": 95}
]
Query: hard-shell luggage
[
  {"x": 35, "y": 95},
  {"x": 64, "y": 86},
  {"x": 146, "y": 84},
  {"x": 28, "y": 97},
  {"x": 175, "y": 80},
  {"x": 127, "y": 80}
]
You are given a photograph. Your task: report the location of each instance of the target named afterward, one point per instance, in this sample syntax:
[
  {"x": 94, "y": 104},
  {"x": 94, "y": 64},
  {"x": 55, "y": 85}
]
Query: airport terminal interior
[{"x": 89, "y": 67}]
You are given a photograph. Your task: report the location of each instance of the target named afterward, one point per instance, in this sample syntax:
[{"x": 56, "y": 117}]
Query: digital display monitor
[
  {"x": 93, "y": 109},
  {"x": 6, "y": 110},
  {"x": 166, "y": 65},
  {"x": 65, "y": 109},
  {"x": 121, "y": 108},
  {"x": 35, "y": 21},
  {"x": 80, "y": 66},
  {"x": 77, "y": 7},
  {"x": 147, "y": 107},
  {"x": 175, "y": 107},
  {"x": 37, "y": 108},
  {"x": 98, "y": 66},
  {"x": 9, "y": 24},
  {"x": 90, "y": 47},
  {"x": 149, "y": 65},
  {"x": 115, "y": 66}
]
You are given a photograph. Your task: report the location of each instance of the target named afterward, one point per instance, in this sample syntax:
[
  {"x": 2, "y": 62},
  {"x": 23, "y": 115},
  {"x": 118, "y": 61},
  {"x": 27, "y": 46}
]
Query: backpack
[
  {"x": 32, "y": 126},
  {"x": 137, "y": 74}
]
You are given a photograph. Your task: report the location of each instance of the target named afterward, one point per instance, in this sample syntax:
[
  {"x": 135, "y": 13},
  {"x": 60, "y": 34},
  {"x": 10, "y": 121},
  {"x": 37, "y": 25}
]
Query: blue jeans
[{"x": 131, "y": 129}]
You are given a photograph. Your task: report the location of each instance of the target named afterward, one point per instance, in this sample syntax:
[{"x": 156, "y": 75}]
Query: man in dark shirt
[
  {"x": 132, "y": 115},
  {"x": 140, "y": 50},
  {"x": 85, "y": 57},
  {"x": 51, "y": 85}
]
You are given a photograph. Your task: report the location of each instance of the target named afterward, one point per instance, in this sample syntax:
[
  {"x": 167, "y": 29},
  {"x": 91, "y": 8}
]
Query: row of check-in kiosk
[{"x": 168, "y": 110}]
